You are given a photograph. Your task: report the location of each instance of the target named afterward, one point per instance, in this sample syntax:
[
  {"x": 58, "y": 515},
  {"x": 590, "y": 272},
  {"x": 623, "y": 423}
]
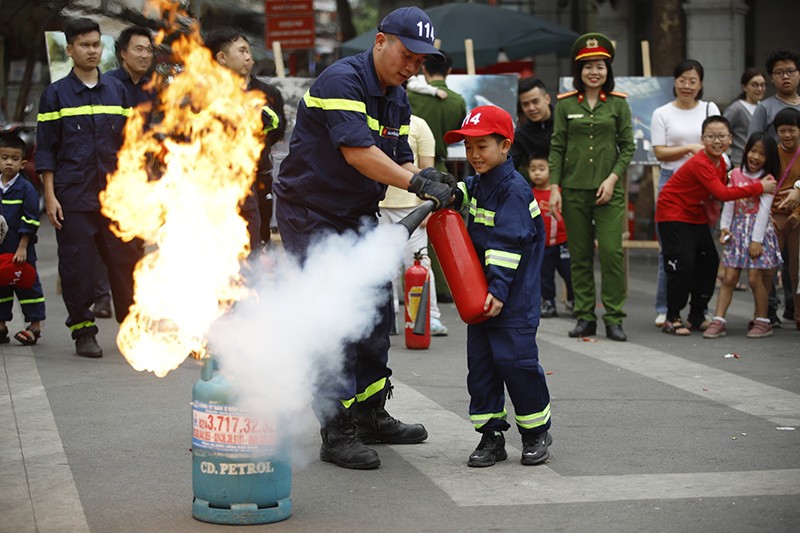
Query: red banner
[{"x": 290, "y": 22}]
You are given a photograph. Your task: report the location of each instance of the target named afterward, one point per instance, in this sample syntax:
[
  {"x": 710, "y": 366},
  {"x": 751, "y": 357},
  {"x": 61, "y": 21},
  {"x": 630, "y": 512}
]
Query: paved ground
[{"x": 657, "y": 434}]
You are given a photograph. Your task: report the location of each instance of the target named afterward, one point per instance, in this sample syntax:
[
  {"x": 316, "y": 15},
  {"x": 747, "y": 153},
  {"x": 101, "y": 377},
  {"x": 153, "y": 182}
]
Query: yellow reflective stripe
[
  {"x": 81, "y": 325},
  {"x": 480, "y": 215},
  {"x": 462, "y": 186},
  {"x": 85, "y": 110},
  {"x": 334, "y": 104},
  {"x": 534, "y": 420},
  {"x": 274, "y": 120},
  {"x": 503, "y": 259},
  {"x": 12, "y": 202},
  {"x": 371, "y": 390},
  {"x": 348, "y": 403},
  {"x": 534, "y": 209},
  {"x": 30, "y": 221},
  {"x": 32, "y": 301},
  {"x": 480, "y": 420},
  {"x": 4, "y": 300},
  {"x": 343, "y": 104}
]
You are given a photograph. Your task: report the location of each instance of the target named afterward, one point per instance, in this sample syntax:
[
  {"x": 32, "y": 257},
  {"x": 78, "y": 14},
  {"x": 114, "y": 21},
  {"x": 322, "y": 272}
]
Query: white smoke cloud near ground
[{"x": 272, "y": 346}]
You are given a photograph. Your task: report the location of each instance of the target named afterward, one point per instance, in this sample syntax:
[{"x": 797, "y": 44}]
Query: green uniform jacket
[
  {"x": 589, "y": 144},
  {"x": 441, "y": 115}
]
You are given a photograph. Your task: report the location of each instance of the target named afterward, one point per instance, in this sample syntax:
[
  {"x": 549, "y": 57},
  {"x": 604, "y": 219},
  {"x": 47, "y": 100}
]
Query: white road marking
[
  {"x": 39, "y": 492},
  {"x": 443, "y": 458}
]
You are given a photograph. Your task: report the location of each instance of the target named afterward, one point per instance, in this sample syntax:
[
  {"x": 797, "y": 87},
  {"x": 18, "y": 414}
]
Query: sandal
[
  {"x": 28, "y": 336},
  {"x": 676, "y": 328}
]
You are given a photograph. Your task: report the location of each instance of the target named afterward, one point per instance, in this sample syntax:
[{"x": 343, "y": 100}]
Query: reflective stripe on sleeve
[
  {"x": 84, "y": 110},
  {"x": 29, "y": 221},
  {"x": 274, "y": 121},
  {"x": 534, "y": 209},
  {"x": 502, "y": 259}
]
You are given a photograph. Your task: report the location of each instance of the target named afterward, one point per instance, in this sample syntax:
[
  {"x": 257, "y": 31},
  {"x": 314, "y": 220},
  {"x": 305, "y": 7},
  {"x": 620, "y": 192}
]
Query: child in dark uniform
[
  {"x": 21, "y": 209},
  {"x": 505, "y": 225}
]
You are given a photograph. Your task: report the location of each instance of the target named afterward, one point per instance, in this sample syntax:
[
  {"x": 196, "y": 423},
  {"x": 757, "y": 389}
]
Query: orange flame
[{"x": 207, "y": 146}]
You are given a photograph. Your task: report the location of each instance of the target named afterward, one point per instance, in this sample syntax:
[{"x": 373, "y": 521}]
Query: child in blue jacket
[
  {"x": 21, "y": 209},
  {"x": 506, "y": 228}
]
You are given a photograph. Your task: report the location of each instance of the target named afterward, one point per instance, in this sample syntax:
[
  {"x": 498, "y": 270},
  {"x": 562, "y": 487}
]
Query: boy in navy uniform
[
  {"x": 21, "y": 209},
  {"x": 505, "y": 225},
  {"x": 80, "y": 125}
]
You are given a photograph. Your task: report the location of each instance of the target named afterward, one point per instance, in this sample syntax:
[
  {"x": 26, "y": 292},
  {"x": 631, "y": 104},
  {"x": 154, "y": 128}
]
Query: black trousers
[
  {"x": 556, "y": 259},
  {"x": 83, "y": 234},
  {"x": 690, "y": 262}
]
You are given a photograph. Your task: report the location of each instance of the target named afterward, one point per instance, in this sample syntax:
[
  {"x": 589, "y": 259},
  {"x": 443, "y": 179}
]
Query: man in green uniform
[
  {"x": 441, "y": 114},
  {"x": 591, "y": 148}
]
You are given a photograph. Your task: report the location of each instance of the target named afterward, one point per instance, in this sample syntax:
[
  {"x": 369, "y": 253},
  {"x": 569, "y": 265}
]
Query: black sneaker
[
  {"x": 534, "y": 448},
  {"x": 86, "y": 346},
  {"x": 548, "y": 309},
  {"x": 774, "y": 321},
  {"x": 491, "y": 448},
  {"x": 102, "y": 309}
]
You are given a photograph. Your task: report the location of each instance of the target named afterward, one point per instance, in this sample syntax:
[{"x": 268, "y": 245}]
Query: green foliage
[{"x": 365, "y": 16}]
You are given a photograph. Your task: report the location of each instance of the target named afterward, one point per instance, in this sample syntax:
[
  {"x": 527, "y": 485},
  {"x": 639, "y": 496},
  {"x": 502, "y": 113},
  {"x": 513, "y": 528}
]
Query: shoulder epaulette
[
  {"x": 617, "y": 93},
  {"x": 566, "y": 95}
]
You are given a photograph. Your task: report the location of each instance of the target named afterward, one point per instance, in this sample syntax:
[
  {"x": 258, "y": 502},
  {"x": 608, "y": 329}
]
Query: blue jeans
[{"x": 661, "y": 280}]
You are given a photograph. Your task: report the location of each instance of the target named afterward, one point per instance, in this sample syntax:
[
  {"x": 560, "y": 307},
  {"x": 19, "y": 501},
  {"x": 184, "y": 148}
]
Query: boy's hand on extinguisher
[{"x": 492, "y": 306}]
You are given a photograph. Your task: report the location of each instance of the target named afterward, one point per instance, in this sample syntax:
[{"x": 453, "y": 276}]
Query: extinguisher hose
[
  {"x": 421, "y": 322},
  {"x": 415, "y": 218}
]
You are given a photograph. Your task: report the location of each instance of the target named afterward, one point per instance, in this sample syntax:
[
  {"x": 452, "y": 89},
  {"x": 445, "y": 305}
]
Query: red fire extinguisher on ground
[
  {"x": 417, "y": 305},
  {"x": 460, "y": 264}
]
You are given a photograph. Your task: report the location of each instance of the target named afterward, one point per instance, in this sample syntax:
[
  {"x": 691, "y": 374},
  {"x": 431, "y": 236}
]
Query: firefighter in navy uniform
[
  {"x": 79, "y": 132},
  {"x": 350, "y": 141},
  {"x": 230, "y": 47}
]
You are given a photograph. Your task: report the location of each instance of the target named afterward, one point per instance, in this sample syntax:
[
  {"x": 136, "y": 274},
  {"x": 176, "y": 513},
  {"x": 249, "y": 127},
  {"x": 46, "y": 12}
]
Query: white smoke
[{"x": 273, "y": 346}]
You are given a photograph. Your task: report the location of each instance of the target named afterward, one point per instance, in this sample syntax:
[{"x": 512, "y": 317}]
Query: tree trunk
[
  {"x": 667, "y": 48},
  {"x": 345, "y": 16}
]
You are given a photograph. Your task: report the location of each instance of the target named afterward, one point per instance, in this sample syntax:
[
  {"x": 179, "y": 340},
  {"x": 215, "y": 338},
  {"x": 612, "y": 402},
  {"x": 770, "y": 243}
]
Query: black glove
[
  {"x": 438, "y": 176},
  {"x": 427, "y": 189}
]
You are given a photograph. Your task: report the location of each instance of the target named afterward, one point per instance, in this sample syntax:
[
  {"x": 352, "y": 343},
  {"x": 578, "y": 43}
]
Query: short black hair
[
  {"x": 577, "y": 81},
  {"x": 536, "y": 155},
  {"x": 14, "y": 142},
  {"x": 437, "y": 67},
  {"x": 685, "y": 66},
  {"x": 788, "y": 116},
  {"x": 124, "y": 38},
  {"x": 529, "y": 84},
  {"x": 715, "y": 119},
  {"x": 782, "y": 55},
  {"x": 773, "y": 161},
  {"x": 219, "y": 39},
  {"x": 75, "y": 27}
]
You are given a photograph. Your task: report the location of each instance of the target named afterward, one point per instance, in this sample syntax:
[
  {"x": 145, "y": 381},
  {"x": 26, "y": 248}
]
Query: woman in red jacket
[{"x": 690, "y": 257}]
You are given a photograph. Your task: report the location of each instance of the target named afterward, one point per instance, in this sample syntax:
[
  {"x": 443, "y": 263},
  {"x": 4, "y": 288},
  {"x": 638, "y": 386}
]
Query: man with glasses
[{"x": 782, "y": 67}]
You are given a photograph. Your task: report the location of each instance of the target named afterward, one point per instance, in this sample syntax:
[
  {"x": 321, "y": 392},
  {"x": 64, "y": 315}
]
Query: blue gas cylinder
[{"x": 241, "y": 465}]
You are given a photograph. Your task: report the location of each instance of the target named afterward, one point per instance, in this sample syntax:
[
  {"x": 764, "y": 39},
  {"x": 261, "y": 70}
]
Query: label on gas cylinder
[
  {"x": 223, "y": 428},
  {"x": 414, "y": 298}
]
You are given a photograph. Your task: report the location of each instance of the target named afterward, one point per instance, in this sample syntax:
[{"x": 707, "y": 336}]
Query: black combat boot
[
  {"x": 340, "y": 445},
  {"x": 375, "y": 425}
]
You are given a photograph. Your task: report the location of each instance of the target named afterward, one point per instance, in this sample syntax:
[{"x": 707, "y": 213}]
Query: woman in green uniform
[{"x": 591, "y": 147}]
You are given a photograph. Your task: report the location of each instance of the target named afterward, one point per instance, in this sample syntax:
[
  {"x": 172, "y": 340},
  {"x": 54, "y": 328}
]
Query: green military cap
[{"x": 592, "y": 46}]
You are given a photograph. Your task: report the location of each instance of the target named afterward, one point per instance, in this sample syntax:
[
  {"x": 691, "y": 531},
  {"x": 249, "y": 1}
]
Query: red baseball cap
[
  {"x": 483, "y": 120},
  {"x": 20, "y": 275}
]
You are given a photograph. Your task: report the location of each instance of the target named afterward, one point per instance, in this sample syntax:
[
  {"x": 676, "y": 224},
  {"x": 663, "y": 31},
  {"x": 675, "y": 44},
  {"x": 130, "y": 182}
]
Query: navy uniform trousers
[
  {"x": 30, "y": 300},
  {"x": 365, "y": 367},
  {"x": 510, "y": 356},
  {"x": 82, "y": 235}
]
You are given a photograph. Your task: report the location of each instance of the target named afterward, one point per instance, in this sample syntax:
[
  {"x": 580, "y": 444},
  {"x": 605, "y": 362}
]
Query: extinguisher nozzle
[
  {"x": 421, "y": 321},
  {"x": 412, "y": 221}
]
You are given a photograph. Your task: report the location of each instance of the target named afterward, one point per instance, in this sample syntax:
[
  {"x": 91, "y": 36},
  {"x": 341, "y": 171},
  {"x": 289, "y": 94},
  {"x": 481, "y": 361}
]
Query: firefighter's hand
[
  {"x": 492, "y": 306},
  {"x": 440, "y": 193},
  {"x": 54, "y": 212},
  {"x": 434, "y": 174}
]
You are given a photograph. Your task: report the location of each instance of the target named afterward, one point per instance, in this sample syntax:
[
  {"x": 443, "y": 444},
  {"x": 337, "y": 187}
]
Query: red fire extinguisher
[
  {"x": 417, "y": 305},
  {"x": 460, "y": 264}
]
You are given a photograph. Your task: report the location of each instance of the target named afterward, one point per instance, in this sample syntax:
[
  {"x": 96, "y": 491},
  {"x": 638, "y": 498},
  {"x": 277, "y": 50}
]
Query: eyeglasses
[
  {"x": 789, "y": 72},
  {"x": 683, "y": 82},
  {"x": 719, "y": 137}
]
